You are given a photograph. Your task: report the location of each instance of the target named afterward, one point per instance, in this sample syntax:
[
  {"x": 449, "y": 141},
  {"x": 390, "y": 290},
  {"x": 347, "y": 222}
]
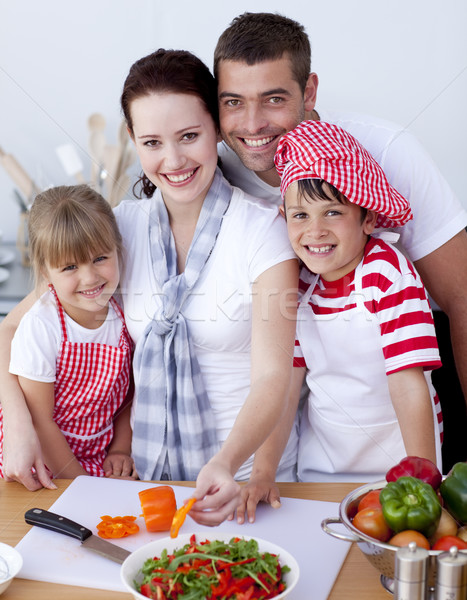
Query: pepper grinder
[
  {"x": 451, "y": 575},
  {"x": 411, "y": 568}
]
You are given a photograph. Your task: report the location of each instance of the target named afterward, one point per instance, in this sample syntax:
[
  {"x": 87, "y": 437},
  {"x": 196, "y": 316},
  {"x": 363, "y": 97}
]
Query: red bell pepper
[{"x": 414, "y": 466}]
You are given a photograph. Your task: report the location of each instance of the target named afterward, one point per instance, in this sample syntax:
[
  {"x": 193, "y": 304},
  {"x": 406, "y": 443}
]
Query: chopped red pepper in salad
[{"x": 214, "y": 570}]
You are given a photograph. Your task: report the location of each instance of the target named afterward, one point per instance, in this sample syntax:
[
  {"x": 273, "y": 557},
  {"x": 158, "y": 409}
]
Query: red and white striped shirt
[{"x": 394, "y": 294}]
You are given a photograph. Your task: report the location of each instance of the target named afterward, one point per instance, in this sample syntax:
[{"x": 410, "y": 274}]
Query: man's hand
[{"x": 255, "y": 491}]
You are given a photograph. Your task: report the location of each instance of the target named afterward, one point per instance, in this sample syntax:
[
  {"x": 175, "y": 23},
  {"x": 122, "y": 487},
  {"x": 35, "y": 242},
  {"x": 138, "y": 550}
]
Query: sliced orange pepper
[
  {"x": 116, "y": 527},
  {"x": 180, "y": 516},
  {"x": 159, "y": 506}
]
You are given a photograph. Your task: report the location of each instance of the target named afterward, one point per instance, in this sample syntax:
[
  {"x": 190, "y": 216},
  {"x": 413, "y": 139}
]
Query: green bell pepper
[
  {"x": 410, "y": 503},
  {"x": 454, "y": 492}
]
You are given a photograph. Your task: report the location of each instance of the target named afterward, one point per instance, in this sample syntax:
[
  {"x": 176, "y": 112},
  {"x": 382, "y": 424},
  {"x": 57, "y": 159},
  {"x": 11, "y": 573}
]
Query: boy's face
[
  {"x": 257, "y": 105},
  {"x": 328, "y": 236}
]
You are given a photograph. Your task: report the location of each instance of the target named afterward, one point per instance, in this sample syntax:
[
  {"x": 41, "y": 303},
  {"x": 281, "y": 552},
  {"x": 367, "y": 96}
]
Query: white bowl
[
  {"x": 130, "y": 570},
  {"x": 14, "y": 561}
]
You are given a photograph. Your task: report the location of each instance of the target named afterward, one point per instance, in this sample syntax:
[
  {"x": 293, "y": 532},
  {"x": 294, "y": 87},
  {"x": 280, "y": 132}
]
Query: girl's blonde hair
[{"x": 69, "y": 224}]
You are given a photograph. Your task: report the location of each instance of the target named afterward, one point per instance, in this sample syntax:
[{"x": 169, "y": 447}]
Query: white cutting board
[{"x": 49, "y": 556}]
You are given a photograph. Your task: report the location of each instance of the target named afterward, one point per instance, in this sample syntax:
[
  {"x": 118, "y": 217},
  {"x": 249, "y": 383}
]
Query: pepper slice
[
  {"x": 409, "y": 503},
  {"x": 454, "y": 491},
  {"x": 159, "y": 506},
  {"x": 116, "y": 527},
  {"x": 414, "y": 466},
  {"x": 180, "y": 516}
]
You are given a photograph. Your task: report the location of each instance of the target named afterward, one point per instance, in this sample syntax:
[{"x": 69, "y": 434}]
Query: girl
[{"x": 72, "y": 351}]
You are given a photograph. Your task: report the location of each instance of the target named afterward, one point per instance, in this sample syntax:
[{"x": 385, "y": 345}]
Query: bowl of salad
[{"x": 222, "y": 565}]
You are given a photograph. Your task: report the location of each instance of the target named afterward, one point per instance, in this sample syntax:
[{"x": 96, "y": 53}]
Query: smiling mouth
[
  {"x": 258, "y": 143},
  {"x": 320, "y": 249},
  {"x": 92, "y": 293},
  {"x": 180, "y": 178}
]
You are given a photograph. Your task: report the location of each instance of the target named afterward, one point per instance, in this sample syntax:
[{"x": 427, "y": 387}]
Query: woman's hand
[
  {"x": 217, "y": 494},
  {"x": 255, "y": 491},
  {"x": 23, "y": 462},
  {"x": 22, "y": 452}
]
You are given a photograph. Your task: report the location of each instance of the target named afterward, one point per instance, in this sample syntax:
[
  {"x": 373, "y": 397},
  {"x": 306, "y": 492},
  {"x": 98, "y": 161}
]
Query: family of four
[{"x": 224, "y": 303}]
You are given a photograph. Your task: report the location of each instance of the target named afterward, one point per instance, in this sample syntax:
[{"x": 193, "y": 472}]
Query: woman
[{"x": 208, "y": 294}]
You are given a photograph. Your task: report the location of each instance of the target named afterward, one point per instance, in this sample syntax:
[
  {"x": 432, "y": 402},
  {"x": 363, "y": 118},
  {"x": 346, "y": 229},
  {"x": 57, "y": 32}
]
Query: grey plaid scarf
[{"x": 174, "y": 425}]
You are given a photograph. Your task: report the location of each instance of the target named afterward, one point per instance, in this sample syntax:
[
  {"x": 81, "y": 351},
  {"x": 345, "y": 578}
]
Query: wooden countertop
[{"x": 358, "y": 580}]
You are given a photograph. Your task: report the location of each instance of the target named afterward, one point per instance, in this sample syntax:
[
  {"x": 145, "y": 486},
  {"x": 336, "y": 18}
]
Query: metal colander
[{"x": 382, "y": 556}]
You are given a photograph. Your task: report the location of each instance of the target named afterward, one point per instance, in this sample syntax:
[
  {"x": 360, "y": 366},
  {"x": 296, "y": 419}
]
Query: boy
[{"x": 365, "y": 331}]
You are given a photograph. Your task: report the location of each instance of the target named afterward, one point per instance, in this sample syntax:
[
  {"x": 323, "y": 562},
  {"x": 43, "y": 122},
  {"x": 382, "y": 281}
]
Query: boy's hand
[
  {"x": 255, "y": 491},
  {"x": 119, "y": 466}
]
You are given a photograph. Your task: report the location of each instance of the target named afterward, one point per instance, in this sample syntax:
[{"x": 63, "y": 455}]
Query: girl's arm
[
  {"x": 118, "y": 462},
  {"x": 412, "y": 402},
  {"x": 261, "y": 486},
  {"x": 21, "y": 447},
  {"x": 56, "y": 452},
  {"x": 273, "y": 335}
]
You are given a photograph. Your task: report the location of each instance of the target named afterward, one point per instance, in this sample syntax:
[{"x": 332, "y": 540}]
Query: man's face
[{"x": 257, "y": 105}]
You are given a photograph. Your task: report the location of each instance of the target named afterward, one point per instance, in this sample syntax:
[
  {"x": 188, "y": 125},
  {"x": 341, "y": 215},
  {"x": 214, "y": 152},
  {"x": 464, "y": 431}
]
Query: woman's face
[{"x": 176, "y": 140}]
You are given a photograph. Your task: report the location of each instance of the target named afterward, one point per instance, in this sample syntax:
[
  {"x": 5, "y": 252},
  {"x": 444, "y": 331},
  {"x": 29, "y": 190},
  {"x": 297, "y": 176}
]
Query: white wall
[{"x": 61, "y": 61}]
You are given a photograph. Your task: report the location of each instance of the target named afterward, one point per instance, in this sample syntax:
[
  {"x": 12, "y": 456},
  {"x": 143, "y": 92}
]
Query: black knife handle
[{"x": 48, "y": 520}]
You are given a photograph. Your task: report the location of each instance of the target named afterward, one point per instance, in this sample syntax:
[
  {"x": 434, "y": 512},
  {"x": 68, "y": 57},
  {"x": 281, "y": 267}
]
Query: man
[{"x": 265, "y": 88}]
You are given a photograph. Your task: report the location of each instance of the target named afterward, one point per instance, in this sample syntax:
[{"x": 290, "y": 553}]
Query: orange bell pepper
[
  {"x": 116, "y": 527},
  {"x": 159, "y": 506},
  {"x": 180, "y": 516}
]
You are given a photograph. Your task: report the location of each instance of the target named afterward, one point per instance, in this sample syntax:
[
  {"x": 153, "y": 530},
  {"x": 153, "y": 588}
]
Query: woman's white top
[{"x": 252, "y": 239}]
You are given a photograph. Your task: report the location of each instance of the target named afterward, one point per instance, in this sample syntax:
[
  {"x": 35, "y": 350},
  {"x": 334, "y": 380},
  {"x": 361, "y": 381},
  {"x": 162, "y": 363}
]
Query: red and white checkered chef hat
[{"x": 317, "y": 150}]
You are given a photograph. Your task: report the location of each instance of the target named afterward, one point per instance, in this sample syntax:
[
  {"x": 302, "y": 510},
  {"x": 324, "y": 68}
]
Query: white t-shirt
[
  {"x": 438, "y": 214},
  {"x": 252, "y": 239},
  {"x": 36, "y": 343}
]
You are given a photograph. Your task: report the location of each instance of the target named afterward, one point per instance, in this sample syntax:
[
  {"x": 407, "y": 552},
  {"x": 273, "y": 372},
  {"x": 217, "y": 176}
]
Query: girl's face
[
  {"x": 84, "y": 289},
  {"x": 176, "y": 140},
  {"x": 328, "y": 236}
]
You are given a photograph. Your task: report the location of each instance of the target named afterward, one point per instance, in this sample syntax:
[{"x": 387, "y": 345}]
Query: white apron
[{"x": 349, "y": 430}]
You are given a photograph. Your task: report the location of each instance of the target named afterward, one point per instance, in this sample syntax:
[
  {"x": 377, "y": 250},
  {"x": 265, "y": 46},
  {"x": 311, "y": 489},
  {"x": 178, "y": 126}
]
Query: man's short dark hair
[{"x": 258, "y": 37}]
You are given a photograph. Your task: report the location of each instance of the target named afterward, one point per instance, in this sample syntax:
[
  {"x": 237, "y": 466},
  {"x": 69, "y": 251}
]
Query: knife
[{"x": 54, "y": 522}]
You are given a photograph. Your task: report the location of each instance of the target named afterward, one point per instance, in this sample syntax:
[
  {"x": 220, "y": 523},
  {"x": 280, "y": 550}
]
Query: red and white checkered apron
[{"x": 91, "y": 384}]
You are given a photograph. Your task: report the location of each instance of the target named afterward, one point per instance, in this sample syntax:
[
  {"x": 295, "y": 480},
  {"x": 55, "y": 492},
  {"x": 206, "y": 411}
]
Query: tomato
[
  {"x": 370, "y": 500},
  {"x": 403, "y": 538},
  {"x": 371, "y": 521},
  {"x": 446, "y": 542}
]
